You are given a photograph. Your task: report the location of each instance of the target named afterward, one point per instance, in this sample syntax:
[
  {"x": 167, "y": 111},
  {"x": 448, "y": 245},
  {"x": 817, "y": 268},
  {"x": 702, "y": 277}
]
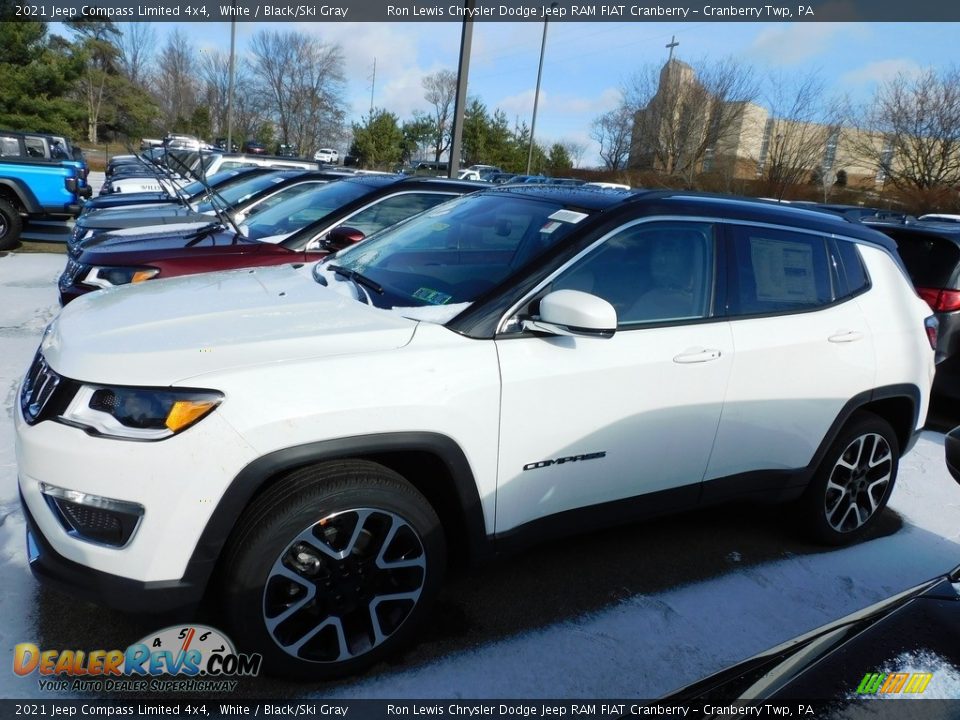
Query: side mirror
[
  {"x": 574, "y": 313},
  {"x": 341, "y": 237}
]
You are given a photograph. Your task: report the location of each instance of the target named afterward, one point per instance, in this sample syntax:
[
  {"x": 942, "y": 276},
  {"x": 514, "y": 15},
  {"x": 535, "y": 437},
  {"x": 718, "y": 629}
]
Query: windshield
[
  {"x": 196, "y": 190},
  {"x": 238, "y": 192},
  {"x": 459, "y": 250},
  {"x": 301, "y": 210}
]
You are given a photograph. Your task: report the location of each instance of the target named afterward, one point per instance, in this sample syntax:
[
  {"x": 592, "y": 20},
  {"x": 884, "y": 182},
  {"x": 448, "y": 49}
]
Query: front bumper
[
  {"x": 178, "y": 482},
  {"x": 120, "y": 593}
]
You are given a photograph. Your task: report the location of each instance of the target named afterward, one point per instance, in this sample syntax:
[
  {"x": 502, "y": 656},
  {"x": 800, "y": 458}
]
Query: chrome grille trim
[{"x": 38, "y": 387}]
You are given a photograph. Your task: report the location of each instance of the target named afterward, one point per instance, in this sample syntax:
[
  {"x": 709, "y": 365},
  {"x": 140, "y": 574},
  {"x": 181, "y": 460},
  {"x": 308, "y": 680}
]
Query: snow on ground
[{"x": 643, "y": 647}]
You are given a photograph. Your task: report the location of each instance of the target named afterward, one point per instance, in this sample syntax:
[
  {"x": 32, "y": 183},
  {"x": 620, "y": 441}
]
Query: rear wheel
[
  {"x": 854, "y": 481},
  {"x": 10, "y": 225},
  {"x": 332, "y": 569}
]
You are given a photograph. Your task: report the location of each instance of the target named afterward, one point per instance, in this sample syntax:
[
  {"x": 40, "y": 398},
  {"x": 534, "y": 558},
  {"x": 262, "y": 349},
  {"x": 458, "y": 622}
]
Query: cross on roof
[{"x": 672, "y": 44}]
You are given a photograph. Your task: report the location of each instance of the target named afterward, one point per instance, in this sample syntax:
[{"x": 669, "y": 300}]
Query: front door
[{"x": 588, "y": 420}]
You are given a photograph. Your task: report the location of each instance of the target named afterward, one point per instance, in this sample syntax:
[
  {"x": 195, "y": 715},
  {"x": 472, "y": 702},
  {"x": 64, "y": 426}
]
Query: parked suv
[
  {"x": 931, "y": 252},
  {"x": 509, "y": 366},
  {"x": 326, "y": 155}
]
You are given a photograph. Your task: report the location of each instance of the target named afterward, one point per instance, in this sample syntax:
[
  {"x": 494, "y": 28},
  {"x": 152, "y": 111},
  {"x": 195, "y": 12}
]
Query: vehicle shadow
[{"x": 547, "y": 584}]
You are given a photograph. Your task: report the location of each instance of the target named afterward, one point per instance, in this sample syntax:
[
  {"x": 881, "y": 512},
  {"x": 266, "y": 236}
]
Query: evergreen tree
[
  {"x": 37, "y": 72},
  {"x": 378, "y": 142}
]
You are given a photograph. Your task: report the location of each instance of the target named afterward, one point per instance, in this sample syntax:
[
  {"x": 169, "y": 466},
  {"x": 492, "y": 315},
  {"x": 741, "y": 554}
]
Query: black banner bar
[
  {"x": 484, "y": 10},
  {"x": 874, "y": 708}
]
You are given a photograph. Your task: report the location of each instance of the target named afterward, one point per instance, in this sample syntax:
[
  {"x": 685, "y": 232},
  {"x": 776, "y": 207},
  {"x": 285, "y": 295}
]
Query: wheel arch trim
[
  {"x": 258, "y": 474},
  {"x": 23, "y": 194},
  {"x": 863, "y": 401}
]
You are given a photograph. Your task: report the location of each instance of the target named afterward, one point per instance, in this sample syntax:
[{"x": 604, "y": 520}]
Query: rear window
[
  {"x": 851, "y": 276},
  {"x": 9, "y": 147},
  {"x": 777, "y": 271},
  {"x": 931, "y": 261}
]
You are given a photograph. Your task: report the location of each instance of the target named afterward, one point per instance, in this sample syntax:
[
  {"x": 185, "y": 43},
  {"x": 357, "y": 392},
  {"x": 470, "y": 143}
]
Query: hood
[
  {"x": 137, "y": 216},
  {"x": 113, "y": 246},
  {"x": 128, "y": 199},
  {"x": 168, "y": 331}
]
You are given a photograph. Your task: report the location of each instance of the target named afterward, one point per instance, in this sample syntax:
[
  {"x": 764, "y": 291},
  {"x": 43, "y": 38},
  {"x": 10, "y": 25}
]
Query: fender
[
  {"x": 23, "y": 193},
  {"x": 785, "y": 485},
  {"x": 254, "y": 477}
]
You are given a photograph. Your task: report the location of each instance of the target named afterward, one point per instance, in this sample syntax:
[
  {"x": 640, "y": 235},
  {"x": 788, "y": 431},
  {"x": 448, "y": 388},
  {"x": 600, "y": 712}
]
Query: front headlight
[
  {"x": 104, "y": 277},
  {"x": 138, "y": 413}
]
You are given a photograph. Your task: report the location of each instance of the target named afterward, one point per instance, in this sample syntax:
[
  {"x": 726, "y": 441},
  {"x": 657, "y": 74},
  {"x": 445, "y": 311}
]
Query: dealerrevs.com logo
[{"x": 200, "y": 658}]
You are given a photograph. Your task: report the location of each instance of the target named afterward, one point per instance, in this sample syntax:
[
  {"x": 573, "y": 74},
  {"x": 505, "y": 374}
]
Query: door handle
[
  {"x": 845, "y": 336},
  {"x": 697, "y": 356}
]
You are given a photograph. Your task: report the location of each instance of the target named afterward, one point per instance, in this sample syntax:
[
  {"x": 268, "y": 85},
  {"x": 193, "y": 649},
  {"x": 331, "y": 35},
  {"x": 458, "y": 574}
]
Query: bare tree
[
  {"x": 441, "y": 91},
  {"x": 612, "y": 131},
  {"x": 682, "y": 113},
  {"x": 136, "y": 43},
  {"x": 248, "y": 111},
  {"x": 176, "y": 84},
  {"x": 911, "y": 131},
  {"x": 301, "y": 79},
  {"x": 575, "y": 150},
  {"x": 97, "y": 46},
  {"x": 797, "y": 133}
]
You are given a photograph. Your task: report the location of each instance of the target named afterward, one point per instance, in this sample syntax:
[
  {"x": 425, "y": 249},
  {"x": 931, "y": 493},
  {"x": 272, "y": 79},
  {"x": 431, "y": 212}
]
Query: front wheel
[
  {"x": 332, "y": 569},
  {"x": 854, "y": 481},
  {"x": 11, "y": 225}
]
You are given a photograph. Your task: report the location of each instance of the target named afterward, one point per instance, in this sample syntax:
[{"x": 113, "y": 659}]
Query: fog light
[{"x": 92, "y": 518}]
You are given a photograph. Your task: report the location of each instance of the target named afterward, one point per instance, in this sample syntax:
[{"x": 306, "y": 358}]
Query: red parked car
[{"x": 301, "y": 229}]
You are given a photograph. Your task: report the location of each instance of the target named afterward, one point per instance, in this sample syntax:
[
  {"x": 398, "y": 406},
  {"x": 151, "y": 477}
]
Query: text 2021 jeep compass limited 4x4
[{"x": 306, "y": 443}]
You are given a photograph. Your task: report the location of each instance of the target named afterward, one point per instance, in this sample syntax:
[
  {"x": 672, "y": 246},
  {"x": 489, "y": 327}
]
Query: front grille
[
  {"x": 38, "y": 388},
  {"x": 73, "y": 242},
  {"x": 71, "y": 273}
]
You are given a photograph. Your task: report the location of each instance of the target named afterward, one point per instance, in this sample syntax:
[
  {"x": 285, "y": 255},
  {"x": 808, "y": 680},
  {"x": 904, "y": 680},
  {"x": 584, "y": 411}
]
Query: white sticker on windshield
[
  {"x": 568, "y": 216},
  {"x": 549, "y": 227}
]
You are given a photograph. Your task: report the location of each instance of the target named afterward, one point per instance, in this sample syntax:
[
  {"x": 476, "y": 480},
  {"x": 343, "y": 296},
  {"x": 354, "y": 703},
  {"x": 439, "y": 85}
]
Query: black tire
[
  {"x": 11, "y": 224},
  {"x": 282, "y": 582},
  {"x": 853, "y": 483}
]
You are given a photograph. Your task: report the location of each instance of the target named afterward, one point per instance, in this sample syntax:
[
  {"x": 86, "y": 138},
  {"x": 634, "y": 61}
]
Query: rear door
[{"x": 803, "y": 349}]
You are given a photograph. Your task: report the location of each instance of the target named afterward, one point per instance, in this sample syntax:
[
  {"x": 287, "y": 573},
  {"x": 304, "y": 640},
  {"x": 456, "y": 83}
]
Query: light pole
[
  {"x": 233, "y": 42},
  {"x": 536, "y": 94},
  {"x": 466, "y": 41}
]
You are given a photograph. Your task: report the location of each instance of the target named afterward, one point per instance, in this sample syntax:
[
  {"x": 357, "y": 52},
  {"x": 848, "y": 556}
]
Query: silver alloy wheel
[
  {"x": 858, "y": 482},
  {"x": 344, "y": 585}
]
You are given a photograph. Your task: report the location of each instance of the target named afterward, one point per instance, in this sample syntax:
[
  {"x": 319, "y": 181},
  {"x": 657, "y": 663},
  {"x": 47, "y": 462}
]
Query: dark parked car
[
  {"x": 952, "y": 450},
  {"x": 358, "y": 206},
  {"x": 845, "y": 660},
  {"x": 254, "y": 146},
  {"x": 239, "y": 197},
  {"x": 855, "y": 212},
  {"x": 931, "y": 253},
  {"x": 193, "y": 193}
]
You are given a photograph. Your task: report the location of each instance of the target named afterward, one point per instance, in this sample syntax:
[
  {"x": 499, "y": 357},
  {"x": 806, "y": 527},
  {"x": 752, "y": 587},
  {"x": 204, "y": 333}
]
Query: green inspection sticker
[{"x": 434, "y": 297}]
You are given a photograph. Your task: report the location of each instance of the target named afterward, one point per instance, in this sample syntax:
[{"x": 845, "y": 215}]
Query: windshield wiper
[
  {"x": 205, "y": 231},
  {"x": 356, "y": 277}
]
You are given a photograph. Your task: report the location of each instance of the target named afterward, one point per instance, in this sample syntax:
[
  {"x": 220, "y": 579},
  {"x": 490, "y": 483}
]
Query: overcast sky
[{"x": 586, "y": 63}]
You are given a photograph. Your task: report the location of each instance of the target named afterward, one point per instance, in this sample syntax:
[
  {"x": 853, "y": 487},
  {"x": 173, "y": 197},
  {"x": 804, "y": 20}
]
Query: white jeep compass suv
[{"x": 309, "y": 443}]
